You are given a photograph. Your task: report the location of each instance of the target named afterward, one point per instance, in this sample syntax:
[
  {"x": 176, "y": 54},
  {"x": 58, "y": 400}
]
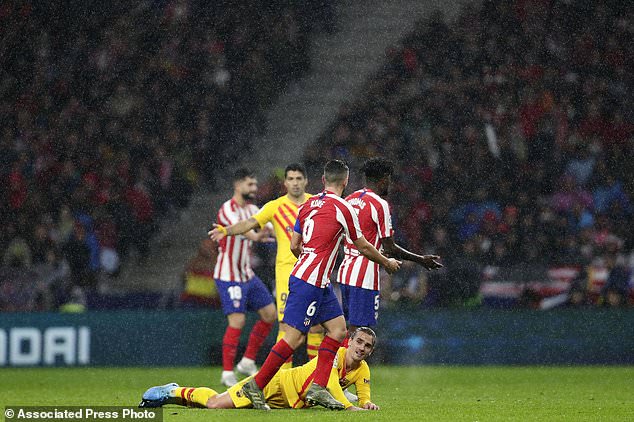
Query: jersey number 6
[
  {"x": 309, "y": 226},
  {"x": 310, "y": 311}
]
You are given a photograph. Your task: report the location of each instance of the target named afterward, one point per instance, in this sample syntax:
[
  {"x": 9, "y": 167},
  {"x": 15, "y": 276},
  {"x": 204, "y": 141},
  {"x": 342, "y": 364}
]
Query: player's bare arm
[
  {"x": 296, "y": 244},
  {"x": 366, "y": 249},
  {"x": 429, "y": 262},
  {"x": 241, "y": 227}
]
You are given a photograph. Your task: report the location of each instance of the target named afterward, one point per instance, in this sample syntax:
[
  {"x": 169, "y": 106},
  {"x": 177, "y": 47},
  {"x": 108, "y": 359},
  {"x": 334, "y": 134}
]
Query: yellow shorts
[
  {"x": 272, "y": 394},
  {"x": 282, "y": 274}
]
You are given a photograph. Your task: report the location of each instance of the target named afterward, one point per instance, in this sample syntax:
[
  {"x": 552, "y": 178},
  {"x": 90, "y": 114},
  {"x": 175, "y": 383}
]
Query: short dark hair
[
  {"x": 377, "y": 168},
  {"x": 295, "y": 167},
  {"x": 366, "y": 330},
  {"x": 242, "y": 173},
  {"x": 335, "y": 171}
]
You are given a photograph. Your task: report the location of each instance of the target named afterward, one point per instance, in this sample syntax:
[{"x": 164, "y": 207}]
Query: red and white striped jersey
[
  {"x": 323, "y": 221},
  {"x": 234, "y": 252},
  {"x": 376, "y": 223}
]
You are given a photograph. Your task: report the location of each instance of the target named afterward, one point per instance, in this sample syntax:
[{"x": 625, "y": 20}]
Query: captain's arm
[
  {"x": 369, "y": 251},
  {"x": 296, "y": 244}
]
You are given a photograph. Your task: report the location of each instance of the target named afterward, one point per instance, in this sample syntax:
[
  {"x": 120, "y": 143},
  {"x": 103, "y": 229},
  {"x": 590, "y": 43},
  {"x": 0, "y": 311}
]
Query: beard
[{"x": 248, "y": 196}]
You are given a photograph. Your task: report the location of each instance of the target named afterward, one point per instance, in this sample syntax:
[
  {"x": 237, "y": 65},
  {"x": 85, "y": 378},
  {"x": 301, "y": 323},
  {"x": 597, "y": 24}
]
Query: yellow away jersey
[
  {"x": 295, "y": 381},
  {"x": 282, "y": 213}
]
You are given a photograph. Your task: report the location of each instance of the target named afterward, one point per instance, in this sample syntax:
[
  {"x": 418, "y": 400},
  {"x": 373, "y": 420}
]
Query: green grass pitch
[{"x": 404, "y": 393}]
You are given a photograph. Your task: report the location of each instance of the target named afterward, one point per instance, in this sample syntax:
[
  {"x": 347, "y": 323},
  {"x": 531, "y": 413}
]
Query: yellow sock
[
  {"x": 313, "y": 340},
  {"x": 288, "y": 364},
  {"x": 194, "y": 397}
]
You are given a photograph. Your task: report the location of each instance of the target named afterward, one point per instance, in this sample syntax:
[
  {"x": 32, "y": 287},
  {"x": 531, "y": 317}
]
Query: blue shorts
[
  {"x": 360, "y": 306},
  {"x": 308, "y": 305},
  {"x": 240, "y": 297}
]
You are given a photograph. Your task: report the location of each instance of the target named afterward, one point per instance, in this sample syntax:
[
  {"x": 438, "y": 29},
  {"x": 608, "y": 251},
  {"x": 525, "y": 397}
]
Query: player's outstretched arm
[
  {"x": 241, "y": 227},
  {"x": 429, "y": 262},
  {"x": 296, "y": 244},
  {"x": 366, "y": 249}
]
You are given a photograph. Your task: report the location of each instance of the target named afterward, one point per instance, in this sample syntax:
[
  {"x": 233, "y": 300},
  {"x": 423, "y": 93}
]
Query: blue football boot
[{"x": 157, "y": 396}]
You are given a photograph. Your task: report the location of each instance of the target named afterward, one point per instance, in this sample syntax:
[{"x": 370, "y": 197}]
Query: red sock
[
  {"x": 327, "y": 352},
  {"x": 230, "y": 343},
  {"x": 258, "y": 334},
  {"x": 279, "y": 353}
]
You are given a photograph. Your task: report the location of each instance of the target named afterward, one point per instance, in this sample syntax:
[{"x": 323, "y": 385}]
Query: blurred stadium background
[{"x": 510, "y": 122}]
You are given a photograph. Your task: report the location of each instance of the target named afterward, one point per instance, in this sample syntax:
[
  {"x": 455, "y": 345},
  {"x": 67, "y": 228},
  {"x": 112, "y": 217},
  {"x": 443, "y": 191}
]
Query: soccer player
[
  {"x": 288, "y": 387},
  {"x": 321, "y": 223},
  {"x": 282, "y": 213},
  {"x": 240, "y": 290},
  {"x": 359, "y": 276}
]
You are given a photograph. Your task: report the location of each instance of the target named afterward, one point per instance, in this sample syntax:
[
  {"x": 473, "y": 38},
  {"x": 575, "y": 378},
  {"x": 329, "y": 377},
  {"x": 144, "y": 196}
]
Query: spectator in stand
[
  {"x": 526, "y": 104},
  {"x": 96, "y": 109},
  {"x": 77, "y": 253},
  {"x": 616, "y": 290}
]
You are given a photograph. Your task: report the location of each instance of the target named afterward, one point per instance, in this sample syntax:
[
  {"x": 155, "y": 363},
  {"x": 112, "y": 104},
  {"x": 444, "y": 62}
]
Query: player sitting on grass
[{"x": 288, "y": 387}]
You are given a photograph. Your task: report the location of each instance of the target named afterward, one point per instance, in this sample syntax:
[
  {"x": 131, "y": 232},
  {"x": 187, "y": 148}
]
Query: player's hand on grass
[
  {"x": 370, "y": 406},
  {"x": 430, "y": 262},
  {"x": 392, "y": 265},
  {"x": 216, "y": 234},
  {"x": 354, "y": 408}
]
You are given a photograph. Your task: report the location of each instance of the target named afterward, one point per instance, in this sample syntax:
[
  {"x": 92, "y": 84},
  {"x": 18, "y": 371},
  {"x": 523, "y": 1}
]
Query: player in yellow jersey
[
  {"x": 288, "y": 387},
  {"x": 282, "y": 213}
]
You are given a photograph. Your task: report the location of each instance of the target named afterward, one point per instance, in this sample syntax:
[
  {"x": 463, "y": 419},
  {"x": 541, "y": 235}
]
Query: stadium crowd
[
  {"x": 111, "y": 115},
  {"x": 512, "y": 132},
  {"x": 510, "y": 128}
]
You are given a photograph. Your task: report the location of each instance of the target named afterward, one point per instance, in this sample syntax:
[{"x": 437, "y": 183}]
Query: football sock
[
  {"x": 278, "y": 355},
  {"x": 289, "y": 362},
  {"x": 327, "y": 352},
  {"x": 258, "y": 334},
  {"x": 193, "y": 396},
  {"x": 313, "y": 340},
  {"x": 230, "y": 343}
]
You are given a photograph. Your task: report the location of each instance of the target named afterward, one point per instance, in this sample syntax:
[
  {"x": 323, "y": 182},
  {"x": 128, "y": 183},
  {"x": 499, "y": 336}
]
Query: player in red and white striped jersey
[
  {"x": 359, "y": 276},
  {"x": 322, "y": 222},
  {"x": 376, "y": 223},
  {"x": 239, "y": 288},
  {"x": 234, "y": 262}
]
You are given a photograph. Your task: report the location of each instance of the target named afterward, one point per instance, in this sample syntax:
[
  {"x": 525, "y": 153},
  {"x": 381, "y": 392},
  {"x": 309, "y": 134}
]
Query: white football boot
[
  {"x": 228, "y": 379},
  {"x": 247, "y": 367}
]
